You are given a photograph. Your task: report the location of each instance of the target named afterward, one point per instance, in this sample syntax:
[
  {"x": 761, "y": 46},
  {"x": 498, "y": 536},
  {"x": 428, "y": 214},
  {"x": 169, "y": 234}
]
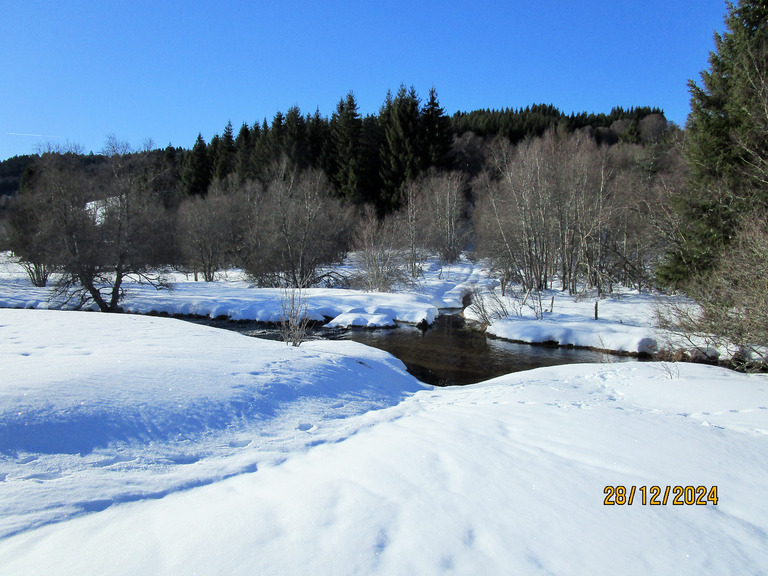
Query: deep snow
[
  {"x": 141, "y": 445},
  {"x": 135, "y": 444}
]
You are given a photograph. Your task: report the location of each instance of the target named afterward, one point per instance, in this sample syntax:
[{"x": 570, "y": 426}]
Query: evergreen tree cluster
[
  {"x": 11, "y": 172},
  {"x": 533, "y": 121},
  {"x": 370, "y": 159},
  {"x": 727, "y": 145}
]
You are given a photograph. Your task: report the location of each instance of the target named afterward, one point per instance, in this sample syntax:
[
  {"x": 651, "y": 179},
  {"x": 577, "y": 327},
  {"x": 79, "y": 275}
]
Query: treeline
[
  {"x": 285, "y": 199},
  {"x": 559, "y": 210},
  {"x": 633, "y": 125},
  {"x": 368, "y": 158}
]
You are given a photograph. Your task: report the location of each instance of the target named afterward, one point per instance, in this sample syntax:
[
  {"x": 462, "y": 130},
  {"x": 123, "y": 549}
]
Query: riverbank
[{"x": 626, "y": 323}]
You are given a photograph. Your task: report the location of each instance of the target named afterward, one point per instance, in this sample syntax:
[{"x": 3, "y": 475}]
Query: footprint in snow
[
  {"x": 239, "y": 443},
  {"x": 43, "y": 476},
  {"x": 305, "y": 427},
  {"x": 182, "y": 459},
  {"x": 112, "y": 461}
]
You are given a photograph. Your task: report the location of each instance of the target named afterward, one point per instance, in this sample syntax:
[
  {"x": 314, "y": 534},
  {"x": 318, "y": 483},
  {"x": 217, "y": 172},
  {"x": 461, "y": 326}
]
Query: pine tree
[
  {"x": 401, "y": 152},
  {"x": 727, "y": 143},
  {"x": 196, "y": 175},
  {"x": 436, "y": 128},
  {"x": 346, "y": 158},
  {"x": 224, "y": 154}
]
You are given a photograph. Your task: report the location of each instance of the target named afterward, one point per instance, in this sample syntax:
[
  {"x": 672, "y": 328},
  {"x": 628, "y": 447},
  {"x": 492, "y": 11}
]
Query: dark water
[
  {"x": 447, "y": 353},
  {"x": 450, "y": 353}
]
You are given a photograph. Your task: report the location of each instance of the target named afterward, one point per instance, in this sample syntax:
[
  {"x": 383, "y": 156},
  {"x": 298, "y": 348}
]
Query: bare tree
[
  {"x": 443, "y": 209},
  {"x": 412, "y": 220},
  {"x": 562, "y": 205},
  {"x": 99, "y": 228},
  {"x": 32, "y": 232},
  {"x": 378, "y": 252},
  {"x": 295, "y": 318},
  {"x": 514, "y": 218},
  {"x": 31, "y": 236},
  {"x": 298, "y": 227},
  {"x": 211, "y": 228}
]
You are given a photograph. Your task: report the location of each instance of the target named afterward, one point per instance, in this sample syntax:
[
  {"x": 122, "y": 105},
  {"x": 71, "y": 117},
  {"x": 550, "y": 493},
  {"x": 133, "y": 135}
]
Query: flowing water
[{"x": 446, "y": 353}]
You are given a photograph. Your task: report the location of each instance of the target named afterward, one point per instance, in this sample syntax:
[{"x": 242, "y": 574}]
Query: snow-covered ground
[
  {"x": 235, "y": 297},
  {"x": 625, "y": 322},
  {"x": 626, "y": 319},
  {"x": 144, "y": 445}
]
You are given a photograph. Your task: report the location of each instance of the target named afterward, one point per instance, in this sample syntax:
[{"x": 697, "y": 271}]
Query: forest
[
  {"x": 577, "y": 202},
  {"x": 283, "y": 199}
]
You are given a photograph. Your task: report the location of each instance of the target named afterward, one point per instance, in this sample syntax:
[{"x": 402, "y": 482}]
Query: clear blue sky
[{"x": 79, "y": 70}]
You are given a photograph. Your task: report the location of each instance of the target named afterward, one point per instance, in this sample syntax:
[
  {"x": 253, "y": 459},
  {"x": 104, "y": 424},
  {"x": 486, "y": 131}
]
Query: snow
[
  {"x": 625, "y": 322},
  {"x": 139, "y": 444},
  {"x": 626, "y": 319},
  {"x": 236, "y": 298},
  {"x": 82, "y": 390},
  {"x": 145, "y": 445}
]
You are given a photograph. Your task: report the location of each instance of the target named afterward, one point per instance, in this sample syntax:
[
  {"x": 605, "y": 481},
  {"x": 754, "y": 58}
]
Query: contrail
[{"x": 31, "y": 135}]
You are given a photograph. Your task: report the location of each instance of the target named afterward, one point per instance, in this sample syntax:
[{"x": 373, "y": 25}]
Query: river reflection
[{"x": 447, "y": 353}]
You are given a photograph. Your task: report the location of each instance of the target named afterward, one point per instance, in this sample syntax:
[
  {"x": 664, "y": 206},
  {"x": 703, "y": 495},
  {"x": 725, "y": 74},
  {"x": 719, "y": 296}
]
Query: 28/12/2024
[{"x": 658, "y": 496}]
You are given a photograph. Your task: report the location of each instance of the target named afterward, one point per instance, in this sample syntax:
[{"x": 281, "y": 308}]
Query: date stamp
[{"x": 660, "y": 496}]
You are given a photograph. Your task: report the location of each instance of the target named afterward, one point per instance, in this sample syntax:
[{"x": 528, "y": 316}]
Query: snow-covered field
[{"x": 135, "y": 444}]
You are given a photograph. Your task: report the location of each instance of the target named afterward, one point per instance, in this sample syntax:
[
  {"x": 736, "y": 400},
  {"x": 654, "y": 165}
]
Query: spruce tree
[
  {"x": 436, "y": 128},
  {"x": 401, "y": 152},
  {"x": 261, "y": 150},
  {"x": 318, "y": 141},
  {"x": 726, "y": 144},
  {"x": 196, "y": 175},
  {"x": 277, "y": 135},
  {"x": 224, "y": 154},
  {"x": 346, "y": 128},
  {"x": 296, "y": 144},
  {"x": 243, "y": 144}
]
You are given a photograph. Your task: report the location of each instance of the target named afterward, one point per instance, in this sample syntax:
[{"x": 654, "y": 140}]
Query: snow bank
[
  {"x": 600, "y": 335},
  {"x": 236, "y": 298},
  {"x": 625, "y": 322},
  {"x": 506, "y": 476},
  {"x": 82, "y": 390}
]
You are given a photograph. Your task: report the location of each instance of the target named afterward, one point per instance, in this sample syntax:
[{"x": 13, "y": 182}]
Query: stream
[{"x": 447, "y": 353}]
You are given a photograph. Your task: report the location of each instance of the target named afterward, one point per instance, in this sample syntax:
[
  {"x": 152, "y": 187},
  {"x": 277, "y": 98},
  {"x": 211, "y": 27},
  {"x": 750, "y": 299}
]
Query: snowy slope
[
  {"x": 98, "y": 408},
  {"x": 189, "y": 450}
]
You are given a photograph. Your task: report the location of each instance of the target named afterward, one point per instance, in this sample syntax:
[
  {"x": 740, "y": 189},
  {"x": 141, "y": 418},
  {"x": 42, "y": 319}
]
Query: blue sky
[{"x": 78, "y": 70}]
